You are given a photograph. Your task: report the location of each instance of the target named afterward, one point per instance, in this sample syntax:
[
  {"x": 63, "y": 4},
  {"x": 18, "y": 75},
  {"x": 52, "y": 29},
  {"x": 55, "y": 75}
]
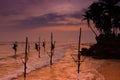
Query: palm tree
[
  {"x": 105, "y": 14},
  {"x": 87, "y": 17}
]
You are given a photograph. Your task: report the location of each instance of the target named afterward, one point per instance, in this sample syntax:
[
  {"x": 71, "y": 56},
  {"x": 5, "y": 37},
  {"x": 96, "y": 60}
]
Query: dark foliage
[{"x": 105, "y": 14}]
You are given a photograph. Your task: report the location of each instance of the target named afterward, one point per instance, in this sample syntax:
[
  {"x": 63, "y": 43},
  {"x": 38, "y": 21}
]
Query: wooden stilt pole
[
  {"x": 79, "y": 54},
  {"x": 39, "y": 48},
  {"x": 52, "y": 48},
  {"x": 26, "y": 58},
  {"x": 15, "y": 54}
]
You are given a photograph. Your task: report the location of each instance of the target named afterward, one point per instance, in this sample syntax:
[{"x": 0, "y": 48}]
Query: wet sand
[
  {"x": 53, "y": 72},
  {"x": 110, "y": 70},
  {"x": 65, "y": 69},
  {"x": 11, "y": 67}
]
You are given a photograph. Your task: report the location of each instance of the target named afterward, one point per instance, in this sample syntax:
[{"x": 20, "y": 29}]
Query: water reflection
[{"x": 66, "y": 69}]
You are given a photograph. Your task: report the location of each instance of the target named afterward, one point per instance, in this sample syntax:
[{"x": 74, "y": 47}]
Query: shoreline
[
  {"x": 52, "y": 72},
  {"x": 66, "y": 69},
  {"x": 110, "y": 69},
  {"x": 16, "y": 70}
]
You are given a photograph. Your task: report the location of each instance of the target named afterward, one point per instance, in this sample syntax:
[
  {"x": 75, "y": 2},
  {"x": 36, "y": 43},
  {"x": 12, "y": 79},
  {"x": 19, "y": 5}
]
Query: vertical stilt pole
[
  {"x": 26, "y": 58},
  {"x": 79, "y": 54},
  {"x": 52, "y": 48},
  {"x": 15, "y": 54},
  {"x": 39, "y": 48}
]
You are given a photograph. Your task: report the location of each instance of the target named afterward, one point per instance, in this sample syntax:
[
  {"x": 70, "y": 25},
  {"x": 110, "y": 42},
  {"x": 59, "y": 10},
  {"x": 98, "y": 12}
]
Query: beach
[
  {"x": 110, "y": 69},
  {"x": 66, "y": 69},
  {"x": 11, "y": 67},
  {"x": 64, "y": 66},
  {"x": 59, "y": 39}
]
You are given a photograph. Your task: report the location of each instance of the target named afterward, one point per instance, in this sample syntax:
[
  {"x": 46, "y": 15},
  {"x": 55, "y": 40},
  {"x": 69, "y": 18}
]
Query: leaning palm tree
[
  {"x": 105, "y": 14},
  {"x": 87, "y": 17}
]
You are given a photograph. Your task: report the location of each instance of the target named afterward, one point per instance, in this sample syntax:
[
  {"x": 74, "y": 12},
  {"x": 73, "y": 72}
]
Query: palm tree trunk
[
  {"x": 88, "y": 21},
  {"x": 93, "y": 31}
]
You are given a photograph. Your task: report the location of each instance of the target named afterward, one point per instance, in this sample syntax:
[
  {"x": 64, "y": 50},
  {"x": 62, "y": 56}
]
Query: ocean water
[{"x": 64, "y": 67}]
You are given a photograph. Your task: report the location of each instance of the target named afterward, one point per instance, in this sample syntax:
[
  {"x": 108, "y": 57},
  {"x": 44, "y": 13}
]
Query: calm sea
[{"x": 65, "y": 68}]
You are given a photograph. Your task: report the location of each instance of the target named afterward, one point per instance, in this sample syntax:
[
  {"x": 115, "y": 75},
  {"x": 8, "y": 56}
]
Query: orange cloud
[{"x": 59, "y": 28}]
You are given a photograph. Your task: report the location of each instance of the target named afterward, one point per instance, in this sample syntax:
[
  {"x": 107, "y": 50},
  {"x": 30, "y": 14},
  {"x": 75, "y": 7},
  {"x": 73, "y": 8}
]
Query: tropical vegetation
[{"x": 105, "y": 15}]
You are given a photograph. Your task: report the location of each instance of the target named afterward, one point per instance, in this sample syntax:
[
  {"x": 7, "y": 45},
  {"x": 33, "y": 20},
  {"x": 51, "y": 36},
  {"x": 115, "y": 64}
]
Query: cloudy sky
[{"x": 34, "y": 18}]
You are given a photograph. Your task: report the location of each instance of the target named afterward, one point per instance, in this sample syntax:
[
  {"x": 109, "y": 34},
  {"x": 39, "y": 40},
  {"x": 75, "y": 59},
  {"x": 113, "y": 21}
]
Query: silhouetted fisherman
[
  {"x": 44, "y": 45},
  {"x": 15, "y": 48},
  {"x": 52, "y": 48},
  {"x": 36, "y": 47}
]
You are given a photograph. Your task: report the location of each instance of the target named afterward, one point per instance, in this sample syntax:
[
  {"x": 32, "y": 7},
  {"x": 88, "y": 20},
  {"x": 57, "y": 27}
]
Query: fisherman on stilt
[
  {"x": 44, "y": 45},
  {"x": 15, "y": 48}
]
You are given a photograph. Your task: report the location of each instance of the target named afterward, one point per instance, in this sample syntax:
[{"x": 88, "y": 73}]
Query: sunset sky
[{"x": 34, "y": 18}]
